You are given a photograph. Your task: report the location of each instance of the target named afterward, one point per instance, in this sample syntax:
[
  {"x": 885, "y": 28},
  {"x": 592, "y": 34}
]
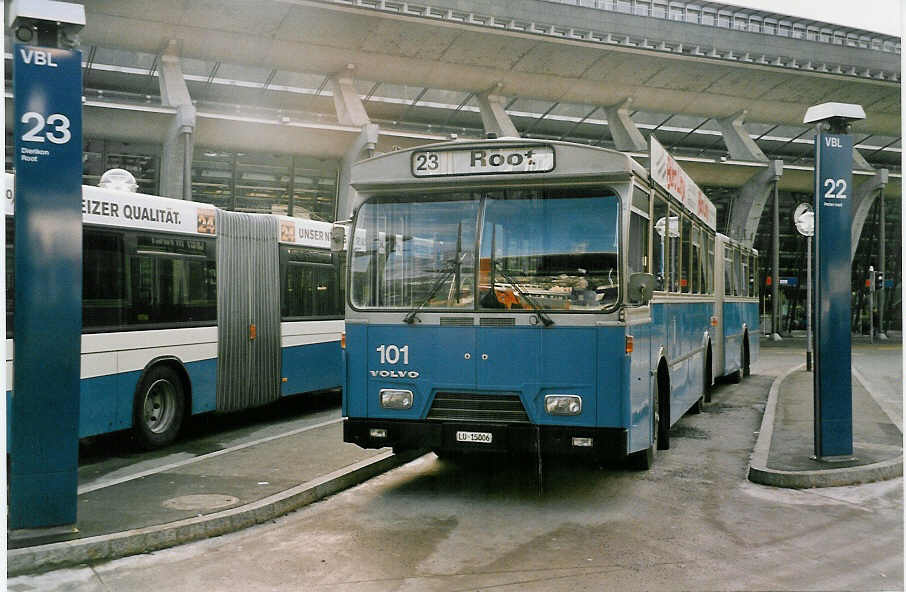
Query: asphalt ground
[{"x": 261, "y": 479}]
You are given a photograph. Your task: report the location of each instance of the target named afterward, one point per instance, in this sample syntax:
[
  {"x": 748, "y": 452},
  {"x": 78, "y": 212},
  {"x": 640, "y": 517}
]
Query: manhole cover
[{"x": 204, "y": 501}]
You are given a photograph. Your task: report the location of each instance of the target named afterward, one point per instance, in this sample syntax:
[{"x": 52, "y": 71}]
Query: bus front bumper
[{"x": 599, "y": 443}]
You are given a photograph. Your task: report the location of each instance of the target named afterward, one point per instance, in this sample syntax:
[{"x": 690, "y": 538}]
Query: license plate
[{"x": 479, "y": 437}]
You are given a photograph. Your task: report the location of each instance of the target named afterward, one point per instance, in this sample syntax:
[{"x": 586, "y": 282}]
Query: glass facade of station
[{"x": 263, "y": 183}]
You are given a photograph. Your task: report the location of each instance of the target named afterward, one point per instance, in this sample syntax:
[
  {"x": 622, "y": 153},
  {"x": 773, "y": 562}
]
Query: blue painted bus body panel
[
  {"x": 106, "y": 401},
  {"x": 683, "y": 329},
  {"x": 525, "y": 360},
  {"x": 640, "y": 384},
  {"x": 532, "y": 362},
  {"x": 739, "y": 317},
  {"x": 311, "y": 367}
]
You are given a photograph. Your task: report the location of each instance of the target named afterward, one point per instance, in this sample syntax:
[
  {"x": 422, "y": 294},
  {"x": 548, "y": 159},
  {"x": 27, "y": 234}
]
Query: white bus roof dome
[{"x": 118, "y": 179}]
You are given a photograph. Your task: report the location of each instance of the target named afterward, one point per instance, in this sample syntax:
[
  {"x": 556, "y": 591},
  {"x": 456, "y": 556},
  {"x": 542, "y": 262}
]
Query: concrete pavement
[{"x": 256, "y": 482}]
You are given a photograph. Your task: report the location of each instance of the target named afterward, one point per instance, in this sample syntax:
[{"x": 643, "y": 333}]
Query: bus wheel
[
  {"x": 708, "y": 379},
  {"x": 746, "y": 370},
  {"x": 159, "y": 407},
  {"x": 644, "y": 459},
  {"x": 662, "y": 417}
]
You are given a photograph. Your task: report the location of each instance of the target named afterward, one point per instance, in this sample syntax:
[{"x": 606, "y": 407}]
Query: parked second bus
[{"x": 188, "y": 309}]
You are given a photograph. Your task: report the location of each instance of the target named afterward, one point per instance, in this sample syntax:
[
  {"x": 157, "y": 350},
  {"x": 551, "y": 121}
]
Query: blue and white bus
[
  {"x": 189, "y": 309},
  {"x": 538, "y": 296}
]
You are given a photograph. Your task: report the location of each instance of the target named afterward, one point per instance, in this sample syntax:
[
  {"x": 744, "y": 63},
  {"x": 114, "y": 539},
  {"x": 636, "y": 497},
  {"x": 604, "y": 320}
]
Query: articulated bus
[
  {"x": 538, "y": 296},
  {"x": 188, "y": 309}
]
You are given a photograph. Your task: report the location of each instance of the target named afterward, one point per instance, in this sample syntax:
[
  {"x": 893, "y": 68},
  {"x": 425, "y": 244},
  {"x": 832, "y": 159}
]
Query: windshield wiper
[
  {"x": 451, "y": 268},
  {"x": 542, "y": 316}
]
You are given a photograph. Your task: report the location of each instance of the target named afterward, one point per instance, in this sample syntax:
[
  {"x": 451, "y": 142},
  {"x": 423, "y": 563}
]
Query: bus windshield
[{"x": 539, "y": 249}]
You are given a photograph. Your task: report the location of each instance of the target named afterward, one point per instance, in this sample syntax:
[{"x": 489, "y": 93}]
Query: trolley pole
[
  {"x": 871, "y": 304},
  {"x": 44, "y": 413},
  {"x": 808, "y": 307},
  {"x": 804, "y": 219},
  {"x": 775, "y": 265},
  {"x": 882, "y": 266},
  {"x": 833, "y": 281}
]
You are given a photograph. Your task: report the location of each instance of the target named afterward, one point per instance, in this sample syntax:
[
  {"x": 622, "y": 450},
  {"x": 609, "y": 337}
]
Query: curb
[
  {"x": 758, "y": 463},
  {"x": 154, "y": 538}
]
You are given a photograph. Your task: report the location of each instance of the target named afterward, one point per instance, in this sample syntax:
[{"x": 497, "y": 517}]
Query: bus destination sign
[{"x": 483, "y": 161}]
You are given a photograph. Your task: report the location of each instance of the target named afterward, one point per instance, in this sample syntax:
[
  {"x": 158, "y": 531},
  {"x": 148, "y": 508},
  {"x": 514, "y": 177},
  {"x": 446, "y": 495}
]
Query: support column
[
  {"x": 179, "y": 142},
  {"x": 749, "y": 204},
  {"x": 351, "y": 111},
  {"x": 626, "y": 136},
  {"x": 739, "y": 144},
  {"x": 364, "y": 142},
  {"x": 346, "y": 99},
  {"x": 863, "y": 199},
  {"x": 494, "y": 117}
]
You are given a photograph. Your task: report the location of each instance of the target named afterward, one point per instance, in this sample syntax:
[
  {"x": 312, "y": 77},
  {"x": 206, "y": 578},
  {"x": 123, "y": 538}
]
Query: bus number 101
[{"x": 390, "y": 354}]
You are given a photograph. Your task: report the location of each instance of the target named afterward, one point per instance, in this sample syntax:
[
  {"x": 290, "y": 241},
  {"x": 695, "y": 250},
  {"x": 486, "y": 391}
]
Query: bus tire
[
  {"x": 708, "y": 376},
  {"x": 735, "y": 376},
  {"x": 746, "y": 368},
  {"x": 159, "y": 407},
  {"x": 662, "y": 414}
]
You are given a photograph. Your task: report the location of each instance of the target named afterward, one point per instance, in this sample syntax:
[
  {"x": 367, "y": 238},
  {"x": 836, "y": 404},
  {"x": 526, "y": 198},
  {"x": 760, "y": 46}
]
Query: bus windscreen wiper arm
[
  {"x": 449, "y": 270},
  {"x": 542, "y": 316}
]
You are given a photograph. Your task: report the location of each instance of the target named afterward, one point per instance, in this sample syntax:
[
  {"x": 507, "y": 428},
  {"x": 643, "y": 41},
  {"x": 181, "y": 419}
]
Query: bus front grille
[
  {"x": 503, "y": 408},
  {"x": 456, "y": 321}
]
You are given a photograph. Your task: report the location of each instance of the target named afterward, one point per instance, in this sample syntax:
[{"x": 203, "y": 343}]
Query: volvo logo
[{"x": 394, "y": 373}]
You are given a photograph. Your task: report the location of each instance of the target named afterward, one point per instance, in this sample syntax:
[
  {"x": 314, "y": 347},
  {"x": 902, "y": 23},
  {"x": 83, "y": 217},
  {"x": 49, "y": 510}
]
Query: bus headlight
[
  {"x": 396, "y": 399},
  {"x": 563, "y": 404}
]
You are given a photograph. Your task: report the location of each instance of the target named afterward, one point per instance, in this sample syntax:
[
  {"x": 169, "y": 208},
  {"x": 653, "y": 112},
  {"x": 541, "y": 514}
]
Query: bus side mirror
[
  {"x": 337, "y": 238},
  {"x": 641, "y": 287}
]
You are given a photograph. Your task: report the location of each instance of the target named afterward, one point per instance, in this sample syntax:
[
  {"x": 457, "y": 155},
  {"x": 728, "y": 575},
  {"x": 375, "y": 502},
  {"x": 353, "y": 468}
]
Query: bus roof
[{"x": 499, "y": 161}]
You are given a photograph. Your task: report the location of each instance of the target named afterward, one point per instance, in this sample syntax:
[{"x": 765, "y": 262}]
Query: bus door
[{"x": 720, "y": 290}]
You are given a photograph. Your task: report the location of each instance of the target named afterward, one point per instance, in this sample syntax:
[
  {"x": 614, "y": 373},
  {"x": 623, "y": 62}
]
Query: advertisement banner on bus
[
  {"x": 305, "y": 233},
  {"x": 667, "y": 173},
  {"x": 136, "y": 210}
]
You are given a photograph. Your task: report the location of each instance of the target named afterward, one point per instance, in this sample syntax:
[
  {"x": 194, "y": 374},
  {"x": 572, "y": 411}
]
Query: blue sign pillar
[
  {"x": 44, "y": 414},
  {"x": 833, "y": 220}
]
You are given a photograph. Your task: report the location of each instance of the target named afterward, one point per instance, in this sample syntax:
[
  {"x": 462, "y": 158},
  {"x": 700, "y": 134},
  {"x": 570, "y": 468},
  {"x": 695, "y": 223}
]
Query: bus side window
[
  {"x": 755, "y": 275},
  {"x": 660, "y": 243},
  {"x": 674, "y": 251},
  {"x": 728, "y": 271},
  {"x": 638, "y": 243},
  {"x": 709, "y": 265},
  {"x": 309, "y": 285},
  {"x": 638, "y": 231},
  {"x": 685, "y": 264},
  {"x": 10, "y": 276},
  {"x": 310, "y": 291},
  {"x": 696, "y": 261},
  {"x": 103, "y": 279},
  {"x": 172, "y": 281}
]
